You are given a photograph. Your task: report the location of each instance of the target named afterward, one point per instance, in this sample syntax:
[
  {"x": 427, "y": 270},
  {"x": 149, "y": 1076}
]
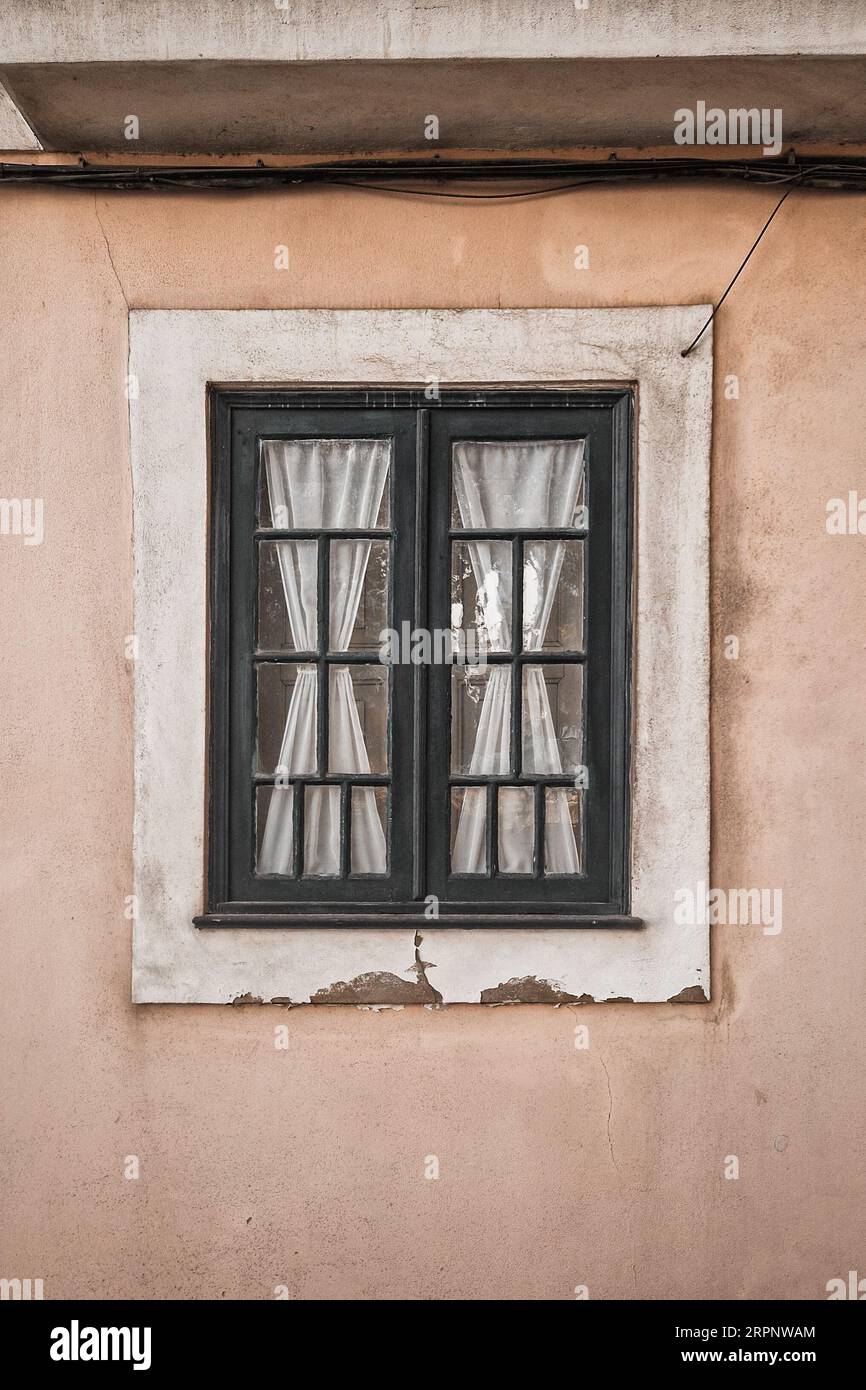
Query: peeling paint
[
  {"x": 378, "y": 987},
  {"x": 247, "y": 999},
  {"x": 421, "y": 967},
  {"x": 527, "y": 989},
  {"x": 693, "y": 994}
]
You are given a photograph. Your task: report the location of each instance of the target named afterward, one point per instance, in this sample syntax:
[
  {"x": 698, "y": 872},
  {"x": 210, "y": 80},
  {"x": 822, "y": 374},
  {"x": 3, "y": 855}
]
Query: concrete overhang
[{"x": 231, "y": 76}]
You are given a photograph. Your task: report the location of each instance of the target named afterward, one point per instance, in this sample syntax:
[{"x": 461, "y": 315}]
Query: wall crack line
[
  {"x": 108, "y": 249},
  {"x": 609, "y": 1113}
]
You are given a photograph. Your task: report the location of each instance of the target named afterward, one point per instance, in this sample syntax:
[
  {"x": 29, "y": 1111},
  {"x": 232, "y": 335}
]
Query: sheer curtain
[
  {"x": 323, "y": 484},
  {"x": 516, "y": 486}
]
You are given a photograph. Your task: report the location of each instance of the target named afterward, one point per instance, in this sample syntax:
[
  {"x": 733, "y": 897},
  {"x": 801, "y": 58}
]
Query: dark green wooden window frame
[{"x": 421, "y": 431}]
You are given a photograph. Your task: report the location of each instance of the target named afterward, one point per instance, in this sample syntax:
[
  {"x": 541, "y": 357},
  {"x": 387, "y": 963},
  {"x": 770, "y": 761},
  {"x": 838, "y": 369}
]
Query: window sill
[{"x": 386, "y": 918}]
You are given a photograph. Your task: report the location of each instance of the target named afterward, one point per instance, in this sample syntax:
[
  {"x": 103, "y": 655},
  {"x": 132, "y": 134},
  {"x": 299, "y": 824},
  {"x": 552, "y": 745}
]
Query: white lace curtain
[
  {"x": 323, "y": 484},
  {"x": 516, "y": 486}
]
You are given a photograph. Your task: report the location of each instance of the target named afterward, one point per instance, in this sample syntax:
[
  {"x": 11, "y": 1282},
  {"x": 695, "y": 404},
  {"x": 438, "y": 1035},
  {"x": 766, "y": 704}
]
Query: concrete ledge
[{"x": 332, "y": 107}]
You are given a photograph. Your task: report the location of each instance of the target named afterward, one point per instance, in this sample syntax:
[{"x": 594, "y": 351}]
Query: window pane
[
  {"x": 287, "y": 596},
  {"x": 286, "y": 698},
  {"x": 552, "y": 719},
  {"x": 553, "y": 595},
  {"x": 516, "y": 829},
  {"x": 322, "y": 832},
  {"x": 563, "y": 830},
  {"x": 358, "y": 594},
  {"x": 324, "y": 484},
  {"x": 468, "y": 830},
  {"x": 480, "y": 597},
  {"x": 369, "y": 830},
  {"x": 358, "y": 719},
  {"x": 480, "y": 719},
  {"x": 274, "y": 830},
  {"x": 517, "y": 484}
]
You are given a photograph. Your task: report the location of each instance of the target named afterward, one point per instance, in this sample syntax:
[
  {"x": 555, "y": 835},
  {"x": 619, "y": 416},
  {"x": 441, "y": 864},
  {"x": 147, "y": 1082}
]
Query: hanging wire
[{"x": 693, "y": 344}]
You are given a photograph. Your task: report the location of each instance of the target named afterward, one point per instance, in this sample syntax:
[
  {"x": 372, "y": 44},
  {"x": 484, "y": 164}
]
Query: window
[{"x": 419, "y": 657}]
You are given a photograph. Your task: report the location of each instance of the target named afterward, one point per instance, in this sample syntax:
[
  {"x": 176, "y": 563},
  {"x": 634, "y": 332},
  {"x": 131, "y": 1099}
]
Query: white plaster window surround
[{"x": 175, "y": 355}]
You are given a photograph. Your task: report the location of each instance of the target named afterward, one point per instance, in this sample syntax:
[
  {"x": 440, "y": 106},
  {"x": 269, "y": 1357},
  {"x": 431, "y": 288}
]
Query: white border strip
[{"x": 174, "y": 354}]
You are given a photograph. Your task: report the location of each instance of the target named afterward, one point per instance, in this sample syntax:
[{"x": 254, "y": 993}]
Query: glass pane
[
  {"x": 287, "y": 596},
  {"x": 358, "y": 594},
  {"x": 552, "y": 719},
  {"x": 324, "y": 484},
  {"x": 274, "y": 830},
  {"x": 480, "y": 719},
  {"x": 358, "y": 719},
  {"x": 286, "y": 699},
  {"x": 553, "y": 595},
  {"x": 480, "y": 598},
  {"x": 369, "y": 830},
  {"x": 468, "y": 830},
  {"x": 516, "y": 829},
  {"x": 322, "y": 832},
  {"x": 516, "y": 485},
  {"x": 563, "y": 830}
]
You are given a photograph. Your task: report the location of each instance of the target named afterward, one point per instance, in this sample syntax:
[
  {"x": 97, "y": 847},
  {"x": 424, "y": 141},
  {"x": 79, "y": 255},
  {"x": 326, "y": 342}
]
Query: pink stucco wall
[{"x": 305, "y": 1167}]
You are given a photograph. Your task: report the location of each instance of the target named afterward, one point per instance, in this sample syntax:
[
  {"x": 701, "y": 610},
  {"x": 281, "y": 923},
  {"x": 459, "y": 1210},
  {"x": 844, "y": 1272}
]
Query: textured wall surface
[
  {"x": 559, "y": 1166},
  {"x": 101, "y": 30}
]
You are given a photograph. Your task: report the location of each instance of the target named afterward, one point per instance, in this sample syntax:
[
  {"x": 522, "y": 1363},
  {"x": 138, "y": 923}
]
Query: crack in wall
[
  {"x": 617, "y": 1168},
  {"x": 108, "y": 249},
  {"x": 609, "y": 1113}
]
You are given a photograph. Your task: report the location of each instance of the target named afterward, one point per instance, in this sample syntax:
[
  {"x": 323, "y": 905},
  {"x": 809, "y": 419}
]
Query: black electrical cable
[
  {"x": 448, "y": 193},
  {"x": 843, "y": 173},
  {"x": 685, "y": 352}
]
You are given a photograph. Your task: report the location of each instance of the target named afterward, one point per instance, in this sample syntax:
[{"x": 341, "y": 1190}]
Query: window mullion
[
  {"x": 516, "y": 650},
  {"x": 298, "y": 798},
  {"x": 323, "y": 588},
  {"x": 538, "y": 846}
]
